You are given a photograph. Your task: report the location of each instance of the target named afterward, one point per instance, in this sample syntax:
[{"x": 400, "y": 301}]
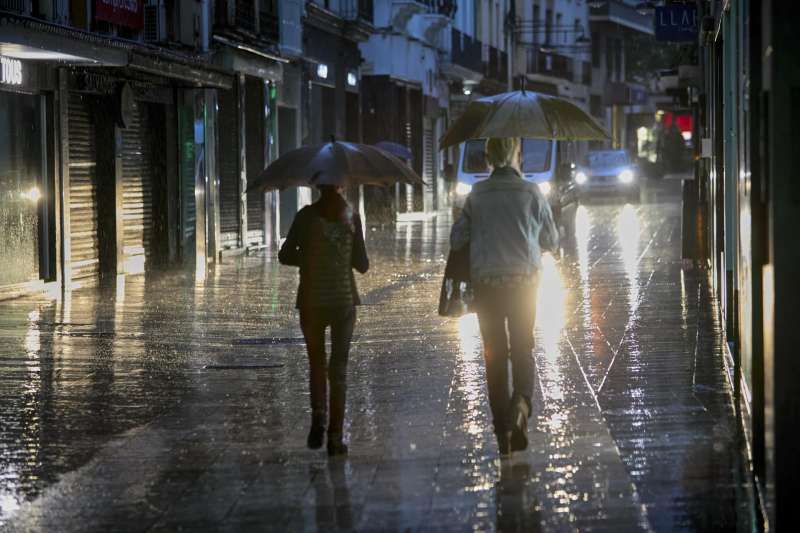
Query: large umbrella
[
  {"x": 523, "y": 114},
  {"x": 334, "y": 163}
]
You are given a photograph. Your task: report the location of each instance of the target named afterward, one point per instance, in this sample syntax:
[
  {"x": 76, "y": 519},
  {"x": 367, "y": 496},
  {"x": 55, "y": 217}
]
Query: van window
[
  {"x": 475, "y": 156},
  {"x": 535, "y": 155}
]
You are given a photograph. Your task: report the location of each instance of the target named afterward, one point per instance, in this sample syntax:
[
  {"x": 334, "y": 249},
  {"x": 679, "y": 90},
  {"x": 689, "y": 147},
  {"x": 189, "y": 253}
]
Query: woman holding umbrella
[{"x": 326, "y": 241}]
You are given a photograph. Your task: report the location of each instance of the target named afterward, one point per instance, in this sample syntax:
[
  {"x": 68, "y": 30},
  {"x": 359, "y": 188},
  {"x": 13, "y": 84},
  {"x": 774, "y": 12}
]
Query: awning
[
  {"x": 240, "y": 57},
  {"x": 31, "y": 40},
  {"x": 34, "y": 41}
]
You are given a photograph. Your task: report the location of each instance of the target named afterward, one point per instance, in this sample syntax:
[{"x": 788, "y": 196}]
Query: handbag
[{"x": 456, "y": 298}]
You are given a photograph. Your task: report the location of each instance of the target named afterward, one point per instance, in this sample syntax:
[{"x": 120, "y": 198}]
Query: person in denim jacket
[{"x": 507, "y": 223}]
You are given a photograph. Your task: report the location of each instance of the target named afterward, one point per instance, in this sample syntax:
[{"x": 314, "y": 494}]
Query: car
[
  {"x": 545, "y": 162},
  {"x": 608, "y": 171}
]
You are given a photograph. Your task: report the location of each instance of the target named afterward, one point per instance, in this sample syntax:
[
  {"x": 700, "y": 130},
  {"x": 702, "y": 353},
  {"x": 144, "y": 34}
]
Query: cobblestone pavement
[{"x": 169, "y": 403}]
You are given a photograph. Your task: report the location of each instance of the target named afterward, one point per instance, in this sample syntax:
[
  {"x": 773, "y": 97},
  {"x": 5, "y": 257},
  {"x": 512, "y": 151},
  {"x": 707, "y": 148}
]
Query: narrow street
[{"x": 167, "y": 403}]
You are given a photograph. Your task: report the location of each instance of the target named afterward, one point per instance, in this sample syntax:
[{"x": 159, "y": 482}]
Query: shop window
[{"x": 21, "y": 189}]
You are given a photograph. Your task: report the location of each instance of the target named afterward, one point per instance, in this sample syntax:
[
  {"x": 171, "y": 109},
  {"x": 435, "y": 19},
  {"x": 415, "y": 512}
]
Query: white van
[{"x": 546, "y": 162}]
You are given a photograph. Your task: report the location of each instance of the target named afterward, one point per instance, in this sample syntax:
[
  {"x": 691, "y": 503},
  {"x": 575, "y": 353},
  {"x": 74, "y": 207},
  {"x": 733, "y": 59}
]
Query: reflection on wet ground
[{"x": 167, "y": 401}]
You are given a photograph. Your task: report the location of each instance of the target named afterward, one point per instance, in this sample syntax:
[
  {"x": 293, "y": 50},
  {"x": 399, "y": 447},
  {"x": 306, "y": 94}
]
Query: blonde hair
[{"x": 502, "y": 152}]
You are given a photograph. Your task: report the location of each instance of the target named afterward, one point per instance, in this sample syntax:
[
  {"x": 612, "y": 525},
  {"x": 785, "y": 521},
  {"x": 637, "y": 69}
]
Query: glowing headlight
[
  {"x": 462, "y": 189},
  {"x": 545, "y": 187},
  {"x": 580, "y": 178},
  {"x": 626, "y": 176}
]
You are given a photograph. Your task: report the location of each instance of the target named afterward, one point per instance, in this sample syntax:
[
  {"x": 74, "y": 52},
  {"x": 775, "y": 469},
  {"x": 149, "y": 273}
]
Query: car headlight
[
  {"x": 463, "y": 189},
  {"x": 581, "y": 178},
  {"x": 626, "y": 176},
  {"x": 545, "y": 187}
]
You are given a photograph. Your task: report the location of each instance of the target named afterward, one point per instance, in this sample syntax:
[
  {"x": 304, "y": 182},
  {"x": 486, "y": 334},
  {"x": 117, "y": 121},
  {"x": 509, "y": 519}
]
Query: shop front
[{"x": 27, "y": 199}]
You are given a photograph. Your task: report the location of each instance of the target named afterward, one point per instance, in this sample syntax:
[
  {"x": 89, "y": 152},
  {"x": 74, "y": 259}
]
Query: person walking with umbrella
[
  {"x": 506, "y": 222},
  {"x": 326, "y": 241}
]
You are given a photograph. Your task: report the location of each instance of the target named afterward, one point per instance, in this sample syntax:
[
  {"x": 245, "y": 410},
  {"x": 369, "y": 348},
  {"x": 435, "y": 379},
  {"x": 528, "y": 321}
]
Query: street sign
[{"x": 676, "y": 23}]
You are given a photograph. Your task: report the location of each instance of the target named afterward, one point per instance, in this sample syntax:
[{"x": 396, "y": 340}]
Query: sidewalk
[{"x": 172, "y": 404}]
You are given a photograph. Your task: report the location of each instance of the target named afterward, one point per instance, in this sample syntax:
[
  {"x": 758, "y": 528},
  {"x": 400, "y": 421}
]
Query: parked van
[{"x": 548, "y": 163}]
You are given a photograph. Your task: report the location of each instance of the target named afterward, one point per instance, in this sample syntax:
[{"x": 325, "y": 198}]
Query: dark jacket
[{"x": 326, "y": 241}]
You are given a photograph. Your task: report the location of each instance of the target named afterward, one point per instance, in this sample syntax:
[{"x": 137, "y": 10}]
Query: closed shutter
[
  {"x": 228, "y": 168},
  {"x": 255, "y": 217},
  {"x": 138, "y": 169},
  {"x": 429, "y": 149},
  {"x": 84, "y": 242}
]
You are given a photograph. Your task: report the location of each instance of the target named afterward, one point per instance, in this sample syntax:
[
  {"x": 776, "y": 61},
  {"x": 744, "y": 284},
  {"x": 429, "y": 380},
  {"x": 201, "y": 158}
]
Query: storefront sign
[
  {"x": 128, "y": 13},
  {"x": 11, "y": 71},
  {"x": 676, "y": 23}
]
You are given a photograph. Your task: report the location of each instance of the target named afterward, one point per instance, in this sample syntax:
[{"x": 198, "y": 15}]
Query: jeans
[
  {"x": 514, "y": 308},
  {"x": 313, "y": 322}
]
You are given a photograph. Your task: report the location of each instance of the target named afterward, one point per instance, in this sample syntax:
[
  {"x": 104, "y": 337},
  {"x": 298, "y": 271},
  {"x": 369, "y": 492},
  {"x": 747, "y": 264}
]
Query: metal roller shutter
[
  {"x": 85, "y": 250},
  {"x": 229, "y": 169},
  {"x": 429, "y": 162},
  {"x": 255, "y": 217},
  {"x": 138, "y": 169}
]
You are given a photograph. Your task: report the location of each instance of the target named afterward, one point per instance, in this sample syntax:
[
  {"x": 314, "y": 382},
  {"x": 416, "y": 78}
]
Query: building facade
[
  {"x": 116, "y": 172},
  {"x": 620, "y": 103},
  {"x": 747, "y": 208},
  {"x": 404, "y": 99}
]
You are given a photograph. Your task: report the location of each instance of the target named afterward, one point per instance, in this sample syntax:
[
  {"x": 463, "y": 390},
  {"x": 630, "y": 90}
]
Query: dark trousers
[
  {"x": 313, "y": 322},
  {"x": 506, "y": 317}
]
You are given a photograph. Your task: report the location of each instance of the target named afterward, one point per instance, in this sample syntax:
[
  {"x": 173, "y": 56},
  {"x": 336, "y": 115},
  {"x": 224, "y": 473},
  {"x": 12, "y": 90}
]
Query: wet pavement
[{"x": 168, "y": 403}]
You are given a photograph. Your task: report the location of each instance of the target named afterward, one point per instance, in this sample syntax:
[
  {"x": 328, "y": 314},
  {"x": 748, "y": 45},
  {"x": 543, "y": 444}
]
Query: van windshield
[{"x": 535, "y": 156}]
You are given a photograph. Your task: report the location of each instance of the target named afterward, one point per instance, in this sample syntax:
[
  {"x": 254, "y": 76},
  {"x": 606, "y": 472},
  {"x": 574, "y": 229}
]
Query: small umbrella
[
  {"x": 523, "y": 114},
  {"x": 334, "y": 163},
  {"x": 396, "y": 149}
]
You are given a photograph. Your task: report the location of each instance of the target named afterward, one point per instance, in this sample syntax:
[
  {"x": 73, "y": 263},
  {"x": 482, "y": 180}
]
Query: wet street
[{"x": 169, "y": 403}]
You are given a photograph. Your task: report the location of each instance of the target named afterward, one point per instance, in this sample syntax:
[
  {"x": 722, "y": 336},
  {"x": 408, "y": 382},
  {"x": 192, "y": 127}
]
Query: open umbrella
[
  {"x": 396, "y": 149},
  {"x": 334, "y": 163},
  {"x": 523, "y": 114}
]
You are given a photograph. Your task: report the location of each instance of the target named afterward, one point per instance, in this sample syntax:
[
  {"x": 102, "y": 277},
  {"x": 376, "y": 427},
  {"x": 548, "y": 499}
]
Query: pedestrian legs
[
  {"x": 313, "y": 324},
  {"x": 521, "y": 319},
  {"x": 492, "y": 321},
  {"x": 342, "y": 324}
]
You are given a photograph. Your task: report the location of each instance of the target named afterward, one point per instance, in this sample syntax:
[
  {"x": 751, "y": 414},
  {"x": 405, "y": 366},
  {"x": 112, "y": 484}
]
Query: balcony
[
  {"x": 555, "y": 65},
  {"x": 269, "y": 20},
  {"x": 621, "y": 14},
  {"x": 446, "y": 8},
  {"x": 496, "y": 64},
  {"x": 465, "y": 51},
  {"x": 358, "y": 10},
  {"x": 245, "y": 15},
  {"x": 13, "y": 5}
]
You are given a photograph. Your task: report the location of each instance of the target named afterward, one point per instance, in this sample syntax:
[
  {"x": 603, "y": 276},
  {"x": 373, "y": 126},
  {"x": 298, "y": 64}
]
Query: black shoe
[
  {"x": 316, "y": 436},
  {"x": 335, "y": 445},
  {"x": 503, "y": 446},
  {"x": 519, "y": 424}
]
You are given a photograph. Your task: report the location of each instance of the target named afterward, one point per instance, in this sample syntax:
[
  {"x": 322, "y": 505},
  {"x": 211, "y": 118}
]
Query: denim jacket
[{"x": 507, "y": 222}]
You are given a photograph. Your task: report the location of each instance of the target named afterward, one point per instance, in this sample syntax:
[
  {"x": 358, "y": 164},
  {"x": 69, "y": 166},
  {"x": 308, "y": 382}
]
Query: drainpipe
[{"x": 205, "y": 11}]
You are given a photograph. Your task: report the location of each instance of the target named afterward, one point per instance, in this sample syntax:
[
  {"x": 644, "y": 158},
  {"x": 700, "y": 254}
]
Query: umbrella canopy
[
  {"x": 334, "y": 163},
  {"x": 523, "y": 114},
  {"x": 396, "y": 149}
]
